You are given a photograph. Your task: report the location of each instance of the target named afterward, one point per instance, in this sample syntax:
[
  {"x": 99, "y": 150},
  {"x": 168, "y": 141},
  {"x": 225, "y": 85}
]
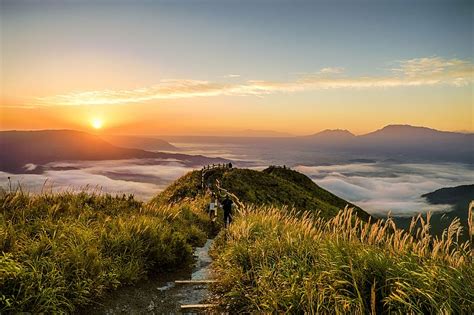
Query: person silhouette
[{"x": 227, "y": 207}]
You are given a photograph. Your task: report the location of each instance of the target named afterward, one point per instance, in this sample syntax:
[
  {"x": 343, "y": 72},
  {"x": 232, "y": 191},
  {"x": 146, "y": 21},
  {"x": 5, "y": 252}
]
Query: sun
[{"x": 97, "y": 123}]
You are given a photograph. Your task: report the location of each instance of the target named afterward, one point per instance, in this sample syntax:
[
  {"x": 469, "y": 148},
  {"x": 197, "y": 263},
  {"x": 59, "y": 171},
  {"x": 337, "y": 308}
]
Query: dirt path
[{"x": 160, "y": 295}]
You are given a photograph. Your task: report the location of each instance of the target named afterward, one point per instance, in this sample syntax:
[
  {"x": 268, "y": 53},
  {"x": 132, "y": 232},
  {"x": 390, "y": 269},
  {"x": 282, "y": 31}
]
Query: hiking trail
[
  {"x": 181, "y": 291},
  {"x": 160, "y": 294}
]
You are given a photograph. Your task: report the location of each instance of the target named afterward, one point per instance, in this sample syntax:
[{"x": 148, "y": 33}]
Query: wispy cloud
[
  {"x": 331, "y": 70},
  {"x": 232, "y": 76},
  {"x": 407, "y": 73}
]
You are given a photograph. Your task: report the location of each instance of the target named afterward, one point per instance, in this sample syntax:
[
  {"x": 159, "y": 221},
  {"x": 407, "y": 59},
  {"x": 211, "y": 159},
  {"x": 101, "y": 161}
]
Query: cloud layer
[
  {"x": 380, "y": 188},
  {"x": 376, "y": 187},
  {"x": 122, "y": 176},
  {"x": 412, "y": 72}
]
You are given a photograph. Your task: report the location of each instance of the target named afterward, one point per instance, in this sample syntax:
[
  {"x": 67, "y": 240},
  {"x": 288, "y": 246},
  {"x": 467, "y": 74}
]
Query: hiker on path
[
  {"x": 227, "y": 207},
  {"x": 213, "y": 205}
]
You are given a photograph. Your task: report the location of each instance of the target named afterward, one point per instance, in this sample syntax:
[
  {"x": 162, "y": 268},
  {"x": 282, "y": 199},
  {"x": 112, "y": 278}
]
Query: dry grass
[
  {"x": 272, "y": 261},
  {"x": 58, "y": 251}
]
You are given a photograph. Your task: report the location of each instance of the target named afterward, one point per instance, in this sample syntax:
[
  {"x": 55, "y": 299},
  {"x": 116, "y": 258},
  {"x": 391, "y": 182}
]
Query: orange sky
[{"x": 153, "y": 69}]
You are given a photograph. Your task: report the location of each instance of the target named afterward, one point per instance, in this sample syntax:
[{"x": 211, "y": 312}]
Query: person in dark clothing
[{"x": 227, "y": 207}]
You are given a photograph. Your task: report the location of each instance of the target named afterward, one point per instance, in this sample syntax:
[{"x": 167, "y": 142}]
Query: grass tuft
[
  {"x": 272, "y": 261},
  {"x": 59, "y": 251}
]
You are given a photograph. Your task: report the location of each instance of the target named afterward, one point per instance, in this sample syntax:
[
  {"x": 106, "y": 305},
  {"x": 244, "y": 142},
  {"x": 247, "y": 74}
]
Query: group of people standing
[{"x": 227, "y": 206}]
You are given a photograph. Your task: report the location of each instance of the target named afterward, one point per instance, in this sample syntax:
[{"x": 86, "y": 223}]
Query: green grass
[
  {"x": 273, "y": 186},
  {"x": 273, "y": 261},
  {"x": 187, "y": 186},
  {"x": 311, "y": 188},
  {"x": 59, "y": 251}
]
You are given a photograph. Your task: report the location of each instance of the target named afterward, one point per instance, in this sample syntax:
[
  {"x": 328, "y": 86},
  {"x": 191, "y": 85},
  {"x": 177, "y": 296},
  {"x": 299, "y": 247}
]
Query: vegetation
[
  {"x": 274, "y": 261},
  {"x": 456, "y": 200},
  {"x": 313, "y": 189},
  {"x": 59, "y": 251},
  {"x": 187, "y": 186},
  {"x": 274, "y": 186}
]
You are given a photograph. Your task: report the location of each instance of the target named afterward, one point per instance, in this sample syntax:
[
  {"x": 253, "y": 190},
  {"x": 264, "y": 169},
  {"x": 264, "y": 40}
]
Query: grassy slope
[
  {"x": 62, "y": 250},
  {"x": 311, "y": 187},
  {"x": 273, "y": 186},
  {"x": 272, "y": 262},
  {"x": 187, "y": 186},
  {"x": 59, "y": 251}
]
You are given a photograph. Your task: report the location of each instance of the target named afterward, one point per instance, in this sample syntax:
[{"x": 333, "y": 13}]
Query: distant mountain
[
  {"x": 403, "y": 142},
  {"x": 140, "y": 142},
  {"x": 27, "y": 151},
  {"x": 419, "y": 143},
  {"x": 330, "y": 137},
  {"x": 406, "y": 134},
  {"x": 333, "y": 133}
]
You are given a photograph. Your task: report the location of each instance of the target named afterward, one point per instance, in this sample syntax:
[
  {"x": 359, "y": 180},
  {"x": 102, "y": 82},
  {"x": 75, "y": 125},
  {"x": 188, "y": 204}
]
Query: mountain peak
[
  {"x": 405, "y": 127},
  {"x": 334, "y": 133},
  {"x": 400, "y": 130}
]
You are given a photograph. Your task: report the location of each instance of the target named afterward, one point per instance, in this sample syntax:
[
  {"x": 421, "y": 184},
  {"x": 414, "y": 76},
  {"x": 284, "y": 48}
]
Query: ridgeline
[{"x": 274, "y": 186}]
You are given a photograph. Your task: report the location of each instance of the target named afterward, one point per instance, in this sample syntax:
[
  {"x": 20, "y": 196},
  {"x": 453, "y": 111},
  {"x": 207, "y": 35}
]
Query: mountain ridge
[
  {"x": 139, "y": 142},
  {"x": 333, "y": 133},
  {"x": 20, "y": 148},
  {"x": 274, "y": 186}
]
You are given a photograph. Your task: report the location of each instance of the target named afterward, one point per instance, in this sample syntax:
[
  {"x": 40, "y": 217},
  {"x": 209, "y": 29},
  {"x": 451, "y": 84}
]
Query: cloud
[
  {"x": 380, "y": 188},
  {"x": 408, "y": 73},
  {"x": 121, "y": 176},
  {"x": 30, "y": 167},
  {"x": 331, "y": 70},
  {"x": 455, "y": 71},
  {"x": 232, "y": 76}
]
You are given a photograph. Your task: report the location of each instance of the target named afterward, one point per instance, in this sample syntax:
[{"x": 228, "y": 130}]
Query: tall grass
[
  {"x": 272, "y": 261},
  {"x": 58, "y": 251}
]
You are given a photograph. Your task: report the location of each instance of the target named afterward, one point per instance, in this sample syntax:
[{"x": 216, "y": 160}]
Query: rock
[{"x": 151, "y": 307}]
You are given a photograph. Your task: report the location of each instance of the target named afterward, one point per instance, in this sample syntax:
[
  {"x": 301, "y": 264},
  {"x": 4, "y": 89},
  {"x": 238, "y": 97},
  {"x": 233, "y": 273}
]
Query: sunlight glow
[{"x": 97, "y": 123}]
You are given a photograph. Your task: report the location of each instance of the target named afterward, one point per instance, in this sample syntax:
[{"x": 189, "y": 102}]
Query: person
[
  {"x": 227, "y": 207},
  {"x": 213, "y": 208}
]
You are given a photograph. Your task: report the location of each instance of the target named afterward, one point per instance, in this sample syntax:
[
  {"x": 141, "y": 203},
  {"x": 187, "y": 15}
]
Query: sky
[{"x": 220, "y": 67}]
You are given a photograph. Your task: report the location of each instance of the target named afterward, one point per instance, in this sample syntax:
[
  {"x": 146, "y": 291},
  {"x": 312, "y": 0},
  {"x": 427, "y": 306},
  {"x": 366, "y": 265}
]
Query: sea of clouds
[
  {"x": 380, "y": 188},
  {"x": 120, "y": 176}
]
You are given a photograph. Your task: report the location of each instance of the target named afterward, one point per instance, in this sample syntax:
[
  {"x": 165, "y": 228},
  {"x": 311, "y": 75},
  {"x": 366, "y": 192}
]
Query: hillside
[
  {"x": 457, "y": 201},
  {"x": 41, "y": 147},
  {"x": 140, "y": 142},
  {"x": 274, "y": 186},
  {"x": 451, "y": 195},
  {"x": 458, "y": 198}
]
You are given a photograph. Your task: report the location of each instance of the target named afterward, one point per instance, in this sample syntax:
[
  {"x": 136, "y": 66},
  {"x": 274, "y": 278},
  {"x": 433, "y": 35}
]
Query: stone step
[
  {"x": 193, "y": 306},
  {"x": 194, "y": 281}
]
